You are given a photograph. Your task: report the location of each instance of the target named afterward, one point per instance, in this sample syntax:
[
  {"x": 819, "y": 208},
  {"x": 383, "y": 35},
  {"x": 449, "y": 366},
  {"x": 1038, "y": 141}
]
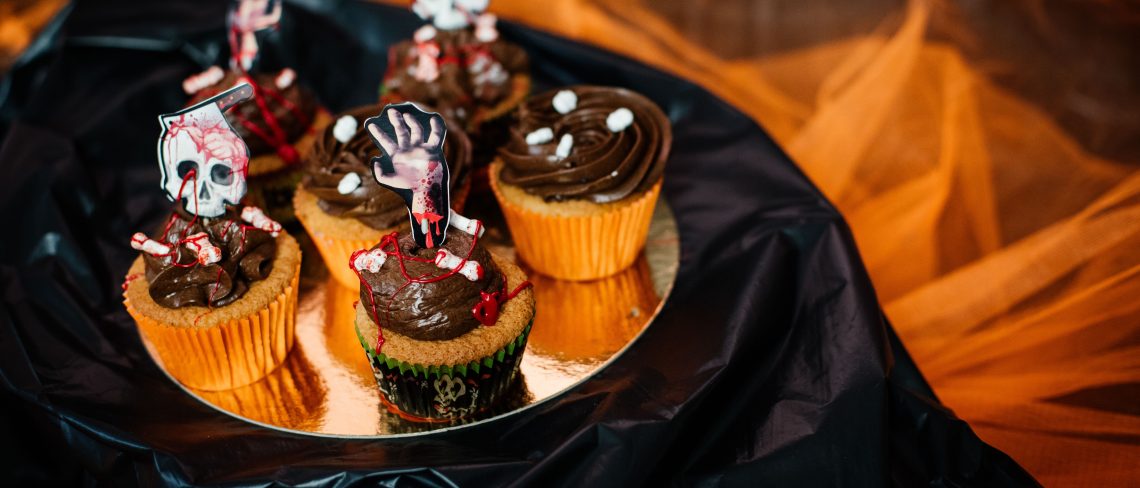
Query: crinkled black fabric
[{"x": 771, "y": 363}]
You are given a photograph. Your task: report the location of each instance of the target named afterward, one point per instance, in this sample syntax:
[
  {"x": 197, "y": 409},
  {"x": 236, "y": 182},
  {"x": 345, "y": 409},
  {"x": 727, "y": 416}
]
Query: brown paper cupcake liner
[
  {"x": 580, "y": 247},
  {"x": 226, "y": 355}
]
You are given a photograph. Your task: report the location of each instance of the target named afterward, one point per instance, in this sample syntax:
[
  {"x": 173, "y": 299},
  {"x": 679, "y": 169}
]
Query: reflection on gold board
[
  {"x": 326, "y": 386},
  {"x": 584, "y": 321}
]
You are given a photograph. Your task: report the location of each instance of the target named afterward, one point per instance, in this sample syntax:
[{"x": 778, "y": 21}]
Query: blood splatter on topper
[
  {"x": 248, "y": 17},
  {"x": 411, "y": 163},
  {"x": 199, "y": 147}
]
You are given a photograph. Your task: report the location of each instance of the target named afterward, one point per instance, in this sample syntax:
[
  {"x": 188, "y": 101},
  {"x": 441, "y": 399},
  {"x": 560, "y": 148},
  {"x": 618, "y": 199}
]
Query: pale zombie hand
[
  {"x": 413, "y": 166},
  {"x": 250, "y": 17}
]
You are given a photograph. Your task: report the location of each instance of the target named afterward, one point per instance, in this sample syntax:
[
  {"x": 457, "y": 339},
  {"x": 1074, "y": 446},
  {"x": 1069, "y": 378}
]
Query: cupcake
[
  {"x": 341, "y": 205},
  {"x": 279, "y": 125},
  {"x": 579, "y": 178},
  {"x": 443, "y": 321},
  {"x": 214, "y": 289},
  {"x": 462, "y": 67}
]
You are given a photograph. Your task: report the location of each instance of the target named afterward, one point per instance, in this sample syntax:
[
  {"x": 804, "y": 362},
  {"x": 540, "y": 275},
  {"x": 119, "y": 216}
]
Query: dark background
[{"x": 771, "y": 362}]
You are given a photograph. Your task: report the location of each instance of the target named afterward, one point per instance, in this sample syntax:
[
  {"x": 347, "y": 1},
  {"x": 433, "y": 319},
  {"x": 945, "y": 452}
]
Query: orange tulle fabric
[{"x": 1004, "y": 253}]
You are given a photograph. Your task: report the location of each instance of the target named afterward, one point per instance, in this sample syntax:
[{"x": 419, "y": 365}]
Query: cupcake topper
[
  {"x": 449, "y": 14},
  {"x": 248, "y": 17},
  {"x": 411, "y": 163},
  {"x": 203, "y": 161}
]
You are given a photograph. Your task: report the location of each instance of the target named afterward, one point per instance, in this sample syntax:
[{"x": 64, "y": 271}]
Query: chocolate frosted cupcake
[
  {"x": 579, "y": 178},
  {"x": 463, "y": 69},
  {"x": 341, "y": 205},
  {"x": 215, "y": 287},
  {"x": 433, "y": 357},
  {"x": 278, "y": 126},
  {"x": 444, "y": 322}
]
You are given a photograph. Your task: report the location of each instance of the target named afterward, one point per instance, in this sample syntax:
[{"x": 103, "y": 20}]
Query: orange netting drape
[{"x": 1005, "y": 254}]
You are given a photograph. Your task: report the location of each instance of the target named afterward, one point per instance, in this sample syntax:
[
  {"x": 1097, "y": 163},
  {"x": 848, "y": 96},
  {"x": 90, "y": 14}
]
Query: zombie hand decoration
[
  {"x": 247, "y": 18},
  {"x": 203, "y": 161},
  {"x": 414, "y": 167}
]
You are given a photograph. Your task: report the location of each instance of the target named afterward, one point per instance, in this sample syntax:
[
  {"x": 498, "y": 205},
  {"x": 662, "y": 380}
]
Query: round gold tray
[{"x": 326, "y": 387}]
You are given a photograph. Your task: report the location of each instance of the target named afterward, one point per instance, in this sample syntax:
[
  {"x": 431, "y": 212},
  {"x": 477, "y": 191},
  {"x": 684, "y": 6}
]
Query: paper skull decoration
[
  {"x": 449, "y": 14},
  {"x": 411, "y": 163},
  {"x": 203, "y": 161}
]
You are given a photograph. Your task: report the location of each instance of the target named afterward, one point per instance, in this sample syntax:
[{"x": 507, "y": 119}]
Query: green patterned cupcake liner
[{"x": 439, "y": 393}]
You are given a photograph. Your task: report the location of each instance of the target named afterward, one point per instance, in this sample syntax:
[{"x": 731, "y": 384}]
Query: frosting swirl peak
[
  {"x": 179, "y": 280},
  {"x": 430, "y": 309},
  {"x": 593, "y": 143}
]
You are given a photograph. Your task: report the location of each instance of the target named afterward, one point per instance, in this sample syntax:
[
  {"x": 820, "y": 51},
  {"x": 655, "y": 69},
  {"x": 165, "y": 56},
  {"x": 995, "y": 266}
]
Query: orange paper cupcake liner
[
  {"x": 580, "y": 247},
  {"x": 228, "y": 355},
  {"x": 336, "y": 253}
]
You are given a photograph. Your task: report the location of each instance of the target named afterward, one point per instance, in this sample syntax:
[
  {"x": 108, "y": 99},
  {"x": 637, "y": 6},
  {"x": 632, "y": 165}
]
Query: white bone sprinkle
[
  {"x": 470, "y": 270},
  {"x": 370, "y": 261},
  {"x": 565, "y": 101},
  {"x": 485, "y": 30},
  {"x": 619, "y": 119},
  {"x": 424, "y": 34},
  {"x": 194, "y": 83},
  {"x": 540, "y": 136},
  {"x": 207, "y": 252},
  {"x": 348, "y": 184},
  {"x": 465, "y": 224},
  {"x": 344, "y": 129},
  {"x": 564, "y": 146},
  {"x": 140, "y": 242},
  {"x": 258, "y": 219}
]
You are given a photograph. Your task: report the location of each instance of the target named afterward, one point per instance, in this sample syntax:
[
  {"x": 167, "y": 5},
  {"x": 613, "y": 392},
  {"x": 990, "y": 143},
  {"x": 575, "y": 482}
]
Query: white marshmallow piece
[
  {"x": 285, "y": 78},
  {"x": 565, "y": 101},
  {"x": 564, "y": 146},
  {"x": 540, "y": 136},
  {"x": 619, "y": 119},
  {"x": 348, "y": 184},
  {"x": 344, "y": 129},
  {"x": 465, "y": 224},
  {"x": 207, "y": 253},
  {"x": 370, "y": 261},
  {"x": 471, "y": 270},
  {"x": 140, "y": 242},
  {"x": 258, "y": 219}
]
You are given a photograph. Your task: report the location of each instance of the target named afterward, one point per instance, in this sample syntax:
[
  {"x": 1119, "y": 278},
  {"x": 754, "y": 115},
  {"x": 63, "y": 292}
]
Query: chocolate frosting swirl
[
  {"x": 429, "y": 311},
  {"x": 178, "y": 280},
  {"x": 603, "y": 166},
  {"x": 295, "y": 96},
  {"x": 456, "y": 93},
  {"x": 329, "y": 161}
]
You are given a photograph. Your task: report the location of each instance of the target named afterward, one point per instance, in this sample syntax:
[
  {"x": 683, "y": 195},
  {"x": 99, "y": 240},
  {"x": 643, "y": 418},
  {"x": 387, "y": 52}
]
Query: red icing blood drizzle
[
  {"x": 192, "y": 176},
  {"x": 482, "y": 310},
  {"x": 276, "y": 136}
]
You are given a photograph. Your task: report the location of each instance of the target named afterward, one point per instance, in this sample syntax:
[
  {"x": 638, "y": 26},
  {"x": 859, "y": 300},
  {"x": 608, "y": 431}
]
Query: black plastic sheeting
[{"x": 770, "y": 364}]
